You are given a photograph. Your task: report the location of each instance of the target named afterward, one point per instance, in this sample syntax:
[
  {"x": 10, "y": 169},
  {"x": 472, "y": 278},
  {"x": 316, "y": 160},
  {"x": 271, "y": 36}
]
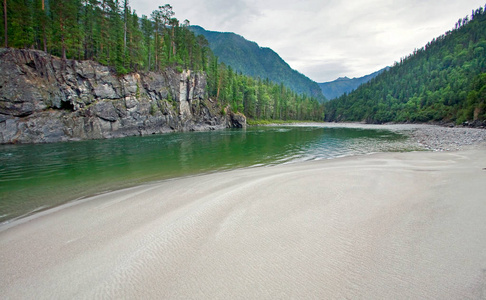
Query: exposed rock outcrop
[
  {"x": 45, "y": 99},
  {"x": 235, "y": 120}
]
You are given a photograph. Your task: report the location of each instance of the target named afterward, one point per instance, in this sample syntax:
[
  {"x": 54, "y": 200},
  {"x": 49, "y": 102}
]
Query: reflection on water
[{"x": 35, "y": 176}]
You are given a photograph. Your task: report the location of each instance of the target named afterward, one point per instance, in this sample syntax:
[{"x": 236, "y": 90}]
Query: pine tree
[
  {"x": 147, "y": 30},
  {"x": 5, "y": 24}
]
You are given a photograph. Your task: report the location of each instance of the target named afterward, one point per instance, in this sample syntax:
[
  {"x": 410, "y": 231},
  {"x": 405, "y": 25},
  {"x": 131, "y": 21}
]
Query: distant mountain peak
[
  {"x": 250, "y": 59},
  {"x": 345, "y": 85}
]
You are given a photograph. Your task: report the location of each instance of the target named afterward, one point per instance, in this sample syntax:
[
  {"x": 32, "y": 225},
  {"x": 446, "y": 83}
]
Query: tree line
[
  {"x": 111, "y": 33},
  {"x": 260, "y": 99},
  {"x": 443, "y": 81},
  {"x": 107, "y": 31}
]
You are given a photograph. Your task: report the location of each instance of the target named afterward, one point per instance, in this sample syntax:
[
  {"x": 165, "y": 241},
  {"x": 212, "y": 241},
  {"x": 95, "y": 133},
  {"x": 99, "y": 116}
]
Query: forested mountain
[
  {"x": 443, "y": 81},
  {"x": 261, "y": 99},
  {"x": 345, "y": 85},
  {"x": 111, "y": 33},
  {"x": 250, "y": 59}
]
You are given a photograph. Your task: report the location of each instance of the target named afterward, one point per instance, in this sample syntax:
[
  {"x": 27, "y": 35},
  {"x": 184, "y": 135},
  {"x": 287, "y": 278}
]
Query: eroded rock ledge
[{"x": 44, "y": 99}]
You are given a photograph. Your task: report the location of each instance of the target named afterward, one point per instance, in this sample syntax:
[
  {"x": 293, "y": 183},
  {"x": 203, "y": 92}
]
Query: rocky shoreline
[
  {"x": 44, "y": 99},
  {"x": 422, "y": 136},
  {"x": 439, "y": 138}
]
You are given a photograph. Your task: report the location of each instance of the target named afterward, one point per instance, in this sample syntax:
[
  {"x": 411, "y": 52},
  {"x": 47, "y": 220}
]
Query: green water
[{"x": 34, "y": 177}]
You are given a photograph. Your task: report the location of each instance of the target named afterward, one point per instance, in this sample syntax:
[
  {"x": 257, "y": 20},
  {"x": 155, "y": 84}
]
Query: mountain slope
[
  {"x": 250, "y": 59},
  {"x": 345, "y": 85},
  {"x": 444, "y": 81}
]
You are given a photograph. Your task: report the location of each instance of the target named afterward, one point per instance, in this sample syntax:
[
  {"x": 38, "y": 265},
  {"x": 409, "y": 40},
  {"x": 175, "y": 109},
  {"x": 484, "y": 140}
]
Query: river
[{"x": 40, "y": 176}]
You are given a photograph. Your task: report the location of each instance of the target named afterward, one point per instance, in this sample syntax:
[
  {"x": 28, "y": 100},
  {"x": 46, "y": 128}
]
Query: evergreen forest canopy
[
  {"x": 444, "y": 81},
  {"x": 111, "y": 33},
  {"x": 252, "y": 60}
]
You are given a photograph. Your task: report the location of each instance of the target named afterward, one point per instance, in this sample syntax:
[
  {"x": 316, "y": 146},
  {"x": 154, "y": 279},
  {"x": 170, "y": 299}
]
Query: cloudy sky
[{"x": 326, "y": 39}]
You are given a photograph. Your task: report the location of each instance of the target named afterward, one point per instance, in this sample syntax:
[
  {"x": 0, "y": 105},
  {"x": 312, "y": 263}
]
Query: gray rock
[
  {"x": 236, "y": 120},
  {"x": 106, "y": 111},
  {"x": 44, "y": 99}
]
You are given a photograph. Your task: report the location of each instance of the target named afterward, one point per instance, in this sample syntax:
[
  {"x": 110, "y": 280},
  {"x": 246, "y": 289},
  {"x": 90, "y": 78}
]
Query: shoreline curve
[{"x": 385, "y": 225}]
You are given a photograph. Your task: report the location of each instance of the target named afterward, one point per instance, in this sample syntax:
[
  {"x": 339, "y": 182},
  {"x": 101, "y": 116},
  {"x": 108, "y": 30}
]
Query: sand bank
[{"x": 381, "y": 226}]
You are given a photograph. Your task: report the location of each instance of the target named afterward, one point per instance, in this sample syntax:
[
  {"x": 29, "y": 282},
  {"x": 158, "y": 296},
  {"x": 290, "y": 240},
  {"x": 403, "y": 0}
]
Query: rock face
[
  {"x": 45, "y": 99},
  {"x": 235, "y": 120}
]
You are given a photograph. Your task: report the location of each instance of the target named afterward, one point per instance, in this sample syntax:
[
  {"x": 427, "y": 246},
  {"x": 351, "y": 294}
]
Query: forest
[
  {"x": 250, "y": 59},
  {"x": 111, "y": 33},
  {"x": 260, "y": 99},
  {"x": 445, "y": 81}
]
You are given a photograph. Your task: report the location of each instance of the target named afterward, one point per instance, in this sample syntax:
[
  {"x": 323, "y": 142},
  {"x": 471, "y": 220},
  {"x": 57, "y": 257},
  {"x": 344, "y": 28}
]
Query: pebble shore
[
  {"x": 439, "y": 138},
  {"x": 423, "y": 136}
]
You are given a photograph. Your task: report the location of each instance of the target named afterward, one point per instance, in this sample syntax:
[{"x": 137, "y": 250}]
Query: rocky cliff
[{"x": 46, "y": 99}]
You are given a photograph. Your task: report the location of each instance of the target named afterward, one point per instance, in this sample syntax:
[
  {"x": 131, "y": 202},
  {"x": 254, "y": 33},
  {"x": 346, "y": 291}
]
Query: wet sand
[{"x": 380, "y": 226}]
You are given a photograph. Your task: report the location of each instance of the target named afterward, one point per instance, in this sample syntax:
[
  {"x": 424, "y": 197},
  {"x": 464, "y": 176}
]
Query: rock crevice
[{"x": 45, "y": 99}]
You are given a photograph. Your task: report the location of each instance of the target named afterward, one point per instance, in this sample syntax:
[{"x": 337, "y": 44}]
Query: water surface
[{"x": 34, "y": 177}]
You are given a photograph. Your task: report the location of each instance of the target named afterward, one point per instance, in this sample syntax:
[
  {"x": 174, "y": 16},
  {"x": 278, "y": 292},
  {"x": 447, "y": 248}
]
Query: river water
[{"x": 35, "y": 177}]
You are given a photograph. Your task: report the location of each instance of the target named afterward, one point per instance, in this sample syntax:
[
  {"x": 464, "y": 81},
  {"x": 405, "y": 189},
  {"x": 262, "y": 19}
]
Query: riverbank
[
  {"x": 45, "y": 99},
  {"x": 386, "y": 225},
  {"x": 421, "y": 136},
  {"x": 40, "y": 176}
]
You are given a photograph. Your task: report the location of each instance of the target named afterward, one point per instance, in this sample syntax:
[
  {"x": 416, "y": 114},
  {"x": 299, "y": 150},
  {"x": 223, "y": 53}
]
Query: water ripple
[{"x": 33, "y": 176}]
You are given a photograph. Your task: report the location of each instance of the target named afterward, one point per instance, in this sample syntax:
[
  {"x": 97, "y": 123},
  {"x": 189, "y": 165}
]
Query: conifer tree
[
  {"x": 5, "y": 23},
  {"x": 109, "y": 32}
]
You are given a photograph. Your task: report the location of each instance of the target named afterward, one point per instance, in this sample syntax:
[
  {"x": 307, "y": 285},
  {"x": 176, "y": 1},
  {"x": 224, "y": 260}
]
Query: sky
[{"x": 326, "y": 39}]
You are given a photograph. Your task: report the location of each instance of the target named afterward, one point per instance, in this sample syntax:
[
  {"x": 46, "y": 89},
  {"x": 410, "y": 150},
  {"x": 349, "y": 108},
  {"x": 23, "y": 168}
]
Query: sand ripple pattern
[{"x": 383, "y": 226}]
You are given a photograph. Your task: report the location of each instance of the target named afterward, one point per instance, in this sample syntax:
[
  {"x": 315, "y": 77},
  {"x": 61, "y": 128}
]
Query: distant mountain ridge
[
  {"x": 444, "y": 82},
  {"x": 250, "y": 59},
  {"x": 345, "y": 85}
]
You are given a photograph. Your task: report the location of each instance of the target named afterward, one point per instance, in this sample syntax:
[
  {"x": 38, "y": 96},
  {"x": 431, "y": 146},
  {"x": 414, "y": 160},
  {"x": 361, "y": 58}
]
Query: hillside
[
  {"x": 250, "y": 59},
  {"x": 445, "y": 81},
  {"x": 345, "y": 85},
  {"x": 139, "y": 79}
]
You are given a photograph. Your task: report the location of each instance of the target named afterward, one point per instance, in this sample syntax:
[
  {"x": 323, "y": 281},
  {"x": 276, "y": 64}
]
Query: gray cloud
[{"x": 327, "y": 39}]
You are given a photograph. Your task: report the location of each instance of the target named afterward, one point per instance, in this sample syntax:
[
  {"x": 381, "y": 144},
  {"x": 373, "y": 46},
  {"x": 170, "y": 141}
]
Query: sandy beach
[{"x": 380, "y": 226}]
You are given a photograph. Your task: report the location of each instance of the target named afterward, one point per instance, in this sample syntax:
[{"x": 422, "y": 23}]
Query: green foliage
[
  {"x": 441, "y": 82},
  {"x": 253, "y": 122},
  {"x": 248, "y": 58},
  {"x": 153, "y": 108},
  {"x": 259, "y": 99},
  {"x": 107, "y": 31}
]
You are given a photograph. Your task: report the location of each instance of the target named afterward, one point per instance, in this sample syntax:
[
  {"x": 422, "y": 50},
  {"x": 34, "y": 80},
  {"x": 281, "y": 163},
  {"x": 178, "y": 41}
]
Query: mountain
[
  {"x": 345, "y": 85},
  {"x": 250, "y": 59},
  {"x": 445, "y": 81}
]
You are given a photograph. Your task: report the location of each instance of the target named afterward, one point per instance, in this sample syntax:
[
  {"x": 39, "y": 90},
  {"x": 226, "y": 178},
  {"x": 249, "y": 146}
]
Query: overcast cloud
[{"x": 326, "y": 39}]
